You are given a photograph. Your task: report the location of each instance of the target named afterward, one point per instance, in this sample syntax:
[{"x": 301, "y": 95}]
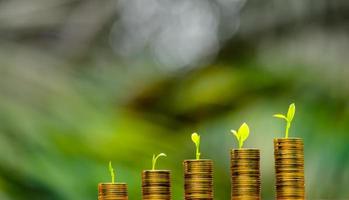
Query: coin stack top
[
  {"x": 245, "y": 174},
  {"x": 156, "y": 185},
  {"x": 111, "y": 191},
  {"x": 289, "y": 168},
  {"x": 198, "y": 179}
]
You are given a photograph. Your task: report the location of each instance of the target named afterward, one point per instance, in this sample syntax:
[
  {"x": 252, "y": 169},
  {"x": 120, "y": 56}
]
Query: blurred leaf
[{"x": 291, "y": 111}]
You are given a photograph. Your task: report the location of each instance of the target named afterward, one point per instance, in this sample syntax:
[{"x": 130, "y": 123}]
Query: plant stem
[
  {"x": 112, "y": 172},
  {"x": 155, "y": 158},
  {"x": 287, "y": 128},
  {"x": 153, "y": 163},
  {"x": 198, "y": 151}
]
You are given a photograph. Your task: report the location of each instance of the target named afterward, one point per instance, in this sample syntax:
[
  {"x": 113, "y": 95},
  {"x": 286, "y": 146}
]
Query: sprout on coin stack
[
  {"x": 289, "y": 162},
  {"x": 198, "y": 175},
  {"x": 112, "y": 190},
  {"x": 245, "y": 168},
  {"x": 156, "y": 184}
]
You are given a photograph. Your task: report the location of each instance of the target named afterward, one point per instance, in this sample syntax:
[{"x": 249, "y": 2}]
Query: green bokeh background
[{"x": 64, "y": 116}]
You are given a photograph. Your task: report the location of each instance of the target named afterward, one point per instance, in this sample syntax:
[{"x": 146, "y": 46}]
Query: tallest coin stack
[{"x": 289, "y": 168}]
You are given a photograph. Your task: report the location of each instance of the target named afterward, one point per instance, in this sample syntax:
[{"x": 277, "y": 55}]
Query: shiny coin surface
[
  {"x": 289, "y": 168},
  {"x": 245, "y": 174},
  {"x": 156, "y": 185},
  {"x": 198, "y": 179},
  {"x": 112, "y": 191}
]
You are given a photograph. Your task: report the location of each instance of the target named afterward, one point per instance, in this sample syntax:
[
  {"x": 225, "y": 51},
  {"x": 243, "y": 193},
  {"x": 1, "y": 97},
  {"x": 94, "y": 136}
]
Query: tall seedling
[
  {"x": 155, "y": 158},
  {"x": 196, "y": 139},
  {"x": 288, "y": 118},
  {"x": 112, "y": 173}
]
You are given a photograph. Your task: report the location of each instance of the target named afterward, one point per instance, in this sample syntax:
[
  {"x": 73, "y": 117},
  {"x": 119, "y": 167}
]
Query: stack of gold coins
[
  {"x": 289, "y": 168},
  {"x": 245, "y": 174},
  {"x": 112, "y": 191},
  {"x": 156, "y": 185},
  {"x": 198, "y": 179}
]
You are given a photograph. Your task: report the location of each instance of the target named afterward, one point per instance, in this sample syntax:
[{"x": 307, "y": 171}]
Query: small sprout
[
  {"x": 155, "y": 158},
  {"x": 196, "y": 139},
  {"x": 290, "y": 114},
  {"x": 112, "y": 173},
  {"x": 242, "y": 134}
]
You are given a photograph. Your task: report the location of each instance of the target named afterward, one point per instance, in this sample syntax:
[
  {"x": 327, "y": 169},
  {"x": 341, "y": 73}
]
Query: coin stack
[
  {"x": 245, "y": 174},
  {"x": 156, "y": 185},
  {"x": 289, "y": 168},
  {"x": 198, "y": 179},
  {"x": 111, "y": 191}
]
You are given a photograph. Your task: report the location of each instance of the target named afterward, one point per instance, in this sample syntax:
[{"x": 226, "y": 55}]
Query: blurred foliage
[{"x": 69, "y": 103}]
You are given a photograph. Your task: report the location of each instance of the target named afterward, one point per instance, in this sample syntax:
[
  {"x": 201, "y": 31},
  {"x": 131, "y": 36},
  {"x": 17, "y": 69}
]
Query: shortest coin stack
[
  {"x": 156, "y": 185},
  {"x": 289, "y": 168},
  {"x": 111, "y": 191},
  {"x": 198, "y": 179},
  {"x": 245, "y": 174}
]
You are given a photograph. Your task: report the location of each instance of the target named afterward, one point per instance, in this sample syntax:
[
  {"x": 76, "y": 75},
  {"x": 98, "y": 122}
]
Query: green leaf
[
  {"x": 281, "y": 116},
  {"x": 195, "y": 138},
  {"x": 244, "y": 132},
  {"x": 161, "y": 155},
  {"x": 291, "y": 111},
  {"x": 235, "y": 134}
]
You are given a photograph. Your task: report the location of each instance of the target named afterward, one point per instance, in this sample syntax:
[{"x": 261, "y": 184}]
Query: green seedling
[
  {"x": 242, "y": 134},
  {"x": 112, "y": 173},
  {"x": 290, "y": 114},
  {"x": 155, "y": 158},
  {"x": 196, "y": 139}
]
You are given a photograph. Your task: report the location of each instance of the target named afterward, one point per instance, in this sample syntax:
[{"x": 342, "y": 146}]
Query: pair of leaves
[
  {"x": 288, "y": 118},
  {"x": 290, "y": 113},
  {"x": 242, "y": 134},
  {"x": 196, "y": 139},
  {"x": 155, "y": 158}
]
